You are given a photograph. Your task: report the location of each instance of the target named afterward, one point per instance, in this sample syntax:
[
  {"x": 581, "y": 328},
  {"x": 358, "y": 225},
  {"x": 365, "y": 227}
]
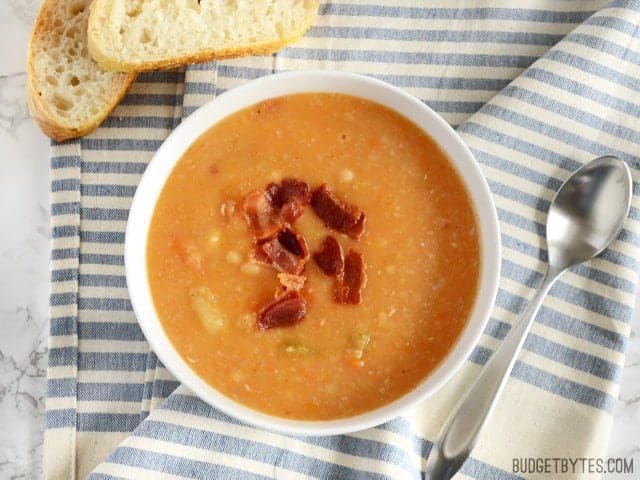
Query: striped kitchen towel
[{"x": 535, "y": 92}]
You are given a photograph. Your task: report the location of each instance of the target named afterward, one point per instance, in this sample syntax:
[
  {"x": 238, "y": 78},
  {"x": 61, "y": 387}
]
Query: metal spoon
[{"x": 584, "y": 218}]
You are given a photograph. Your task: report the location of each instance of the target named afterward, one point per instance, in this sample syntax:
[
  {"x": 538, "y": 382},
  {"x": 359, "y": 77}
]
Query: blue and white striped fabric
[{"x": 534, "y": 91}]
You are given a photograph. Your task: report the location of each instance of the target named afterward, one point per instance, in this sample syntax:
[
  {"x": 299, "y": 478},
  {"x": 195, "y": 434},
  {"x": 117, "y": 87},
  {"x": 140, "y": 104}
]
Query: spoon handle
[{"x": 462, "y": 429}]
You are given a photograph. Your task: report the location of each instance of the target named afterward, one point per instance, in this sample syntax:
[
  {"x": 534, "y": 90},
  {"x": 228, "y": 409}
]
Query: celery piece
[{"x": 360, "y": 343}]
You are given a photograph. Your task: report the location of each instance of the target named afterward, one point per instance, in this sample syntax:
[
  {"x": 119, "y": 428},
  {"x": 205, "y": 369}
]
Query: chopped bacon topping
[
  {"x": 271, "y": 192},
  {"x": 278, "y": 206},
  {"x": 260, "y": 215},
  {"x": 291, "y": 211},
  {"x": 330, "y": 258},
  {"x": 350, "y": 284},
  {"x": 293, "y": 188},
  {"x": 259, "y": 255},
  {"x": 357, "y": 230},
  {"x": 291, "y": 282},
  {"x": 269, "y": 214},
  {"x": 284, "y": 311},
  {"x": 337, "y": 214},
  {"x": 287, "y": 251},
  {"x": 289, "y": 188},
  {"x": 294, "y": 242}
]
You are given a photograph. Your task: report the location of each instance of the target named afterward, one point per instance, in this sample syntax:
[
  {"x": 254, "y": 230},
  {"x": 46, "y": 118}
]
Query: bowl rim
[{"x": 320, "y": 81}]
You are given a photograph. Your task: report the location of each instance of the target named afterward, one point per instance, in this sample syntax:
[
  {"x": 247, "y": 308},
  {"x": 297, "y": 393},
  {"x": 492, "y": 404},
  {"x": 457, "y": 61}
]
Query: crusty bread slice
[
  {"x": 67, "y": 93},
  {"x": 136, "y": 35}
]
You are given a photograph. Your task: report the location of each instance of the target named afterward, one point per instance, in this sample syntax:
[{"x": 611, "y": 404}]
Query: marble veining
[
  {"x": 24, "y": 205},
  {"x": 24, "y": 200}
]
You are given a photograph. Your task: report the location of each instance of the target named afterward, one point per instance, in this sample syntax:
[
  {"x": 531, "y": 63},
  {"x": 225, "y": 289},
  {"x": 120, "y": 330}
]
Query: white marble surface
[
  {"x": 24, "y": 185},
  {"x": 24, "y": 192}
]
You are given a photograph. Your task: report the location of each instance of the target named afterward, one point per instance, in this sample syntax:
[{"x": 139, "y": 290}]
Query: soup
[{"x": 313, "y": 256}]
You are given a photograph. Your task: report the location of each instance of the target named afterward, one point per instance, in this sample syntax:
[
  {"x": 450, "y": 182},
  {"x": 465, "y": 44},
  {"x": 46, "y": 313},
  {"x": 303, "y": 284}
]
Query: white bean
[
  {"x": 250, "y": 268},
  {"x": 233, "y": 257},
  {"x": 346, "y": 175}
]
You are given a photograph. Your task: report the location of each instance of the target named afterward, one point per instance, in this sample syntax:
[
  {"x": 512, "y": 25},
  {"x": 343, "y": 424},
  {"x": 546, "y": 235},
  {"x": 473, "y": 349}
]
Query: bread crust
[
  {"x": 120, "y": 65},
  {"x": 56, "y": 130},
  {"x": 41, "y": 111}
]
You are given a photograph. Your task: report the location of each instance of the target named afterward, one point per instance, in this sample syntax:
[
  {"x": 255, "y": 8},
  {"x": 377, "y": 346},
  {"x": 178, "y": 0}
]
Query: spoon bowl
[{"x": 588, "y": 212}]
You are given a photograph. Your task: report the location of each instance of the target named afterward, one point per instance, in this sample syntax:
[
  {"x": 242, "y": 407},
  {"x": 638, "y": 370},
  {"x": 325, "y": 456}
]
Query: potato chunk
[{"x": 204, "y": 304}]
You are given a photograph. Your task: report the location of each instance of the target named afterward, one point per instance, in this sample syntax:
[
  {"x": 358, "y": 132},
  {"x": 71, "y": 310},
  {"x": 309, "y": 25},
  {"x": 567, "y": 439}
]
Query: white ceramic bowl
[{"x": 274, "y": 86}]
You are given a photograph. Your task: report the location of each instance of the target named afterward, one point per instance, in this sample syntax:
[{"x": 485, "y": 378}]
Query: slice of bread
[
  {"x": 136, "y": 35},
  {"x": 67, "y": 93}
]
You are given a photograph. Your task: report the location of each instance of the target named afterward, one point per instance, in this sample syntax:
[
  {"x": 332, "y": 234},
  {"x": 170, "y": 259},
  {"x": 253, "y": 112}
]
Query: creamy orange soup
[{"x": 420, "y": 248}]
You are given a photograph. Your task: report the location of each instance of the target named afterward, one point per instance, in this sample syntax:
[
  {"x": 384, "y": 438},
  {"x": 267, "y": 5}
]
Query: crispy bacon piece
[
  {"x": 294, "y": 188},
  {"x": 337, "y": 214},
  {"x": 354, "y": 278},
  {"x": 287, "y": 251},
  {"x": 289, "y": 188},
  {"x": 294, "y": 242},
  {"x": 268, "y": 211},
  {"x": 291, "y": 211},
  {"x": 357, "y": 230},
  {"x": 291, "y": 282},
  {"x": 260, "y": 215},
  {"x": 271, "y": 193},
  {"x": 330, "y": 258},
  {"x": 284, "y": 311},
  {"x": 259, "y": 255}
]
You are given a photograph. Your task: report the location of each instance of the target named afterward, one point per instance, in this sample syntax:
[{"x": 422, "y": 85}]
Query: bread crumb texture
[
  {"x": 145, "y": 34},
  {"x": 68, "y": 93}
]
